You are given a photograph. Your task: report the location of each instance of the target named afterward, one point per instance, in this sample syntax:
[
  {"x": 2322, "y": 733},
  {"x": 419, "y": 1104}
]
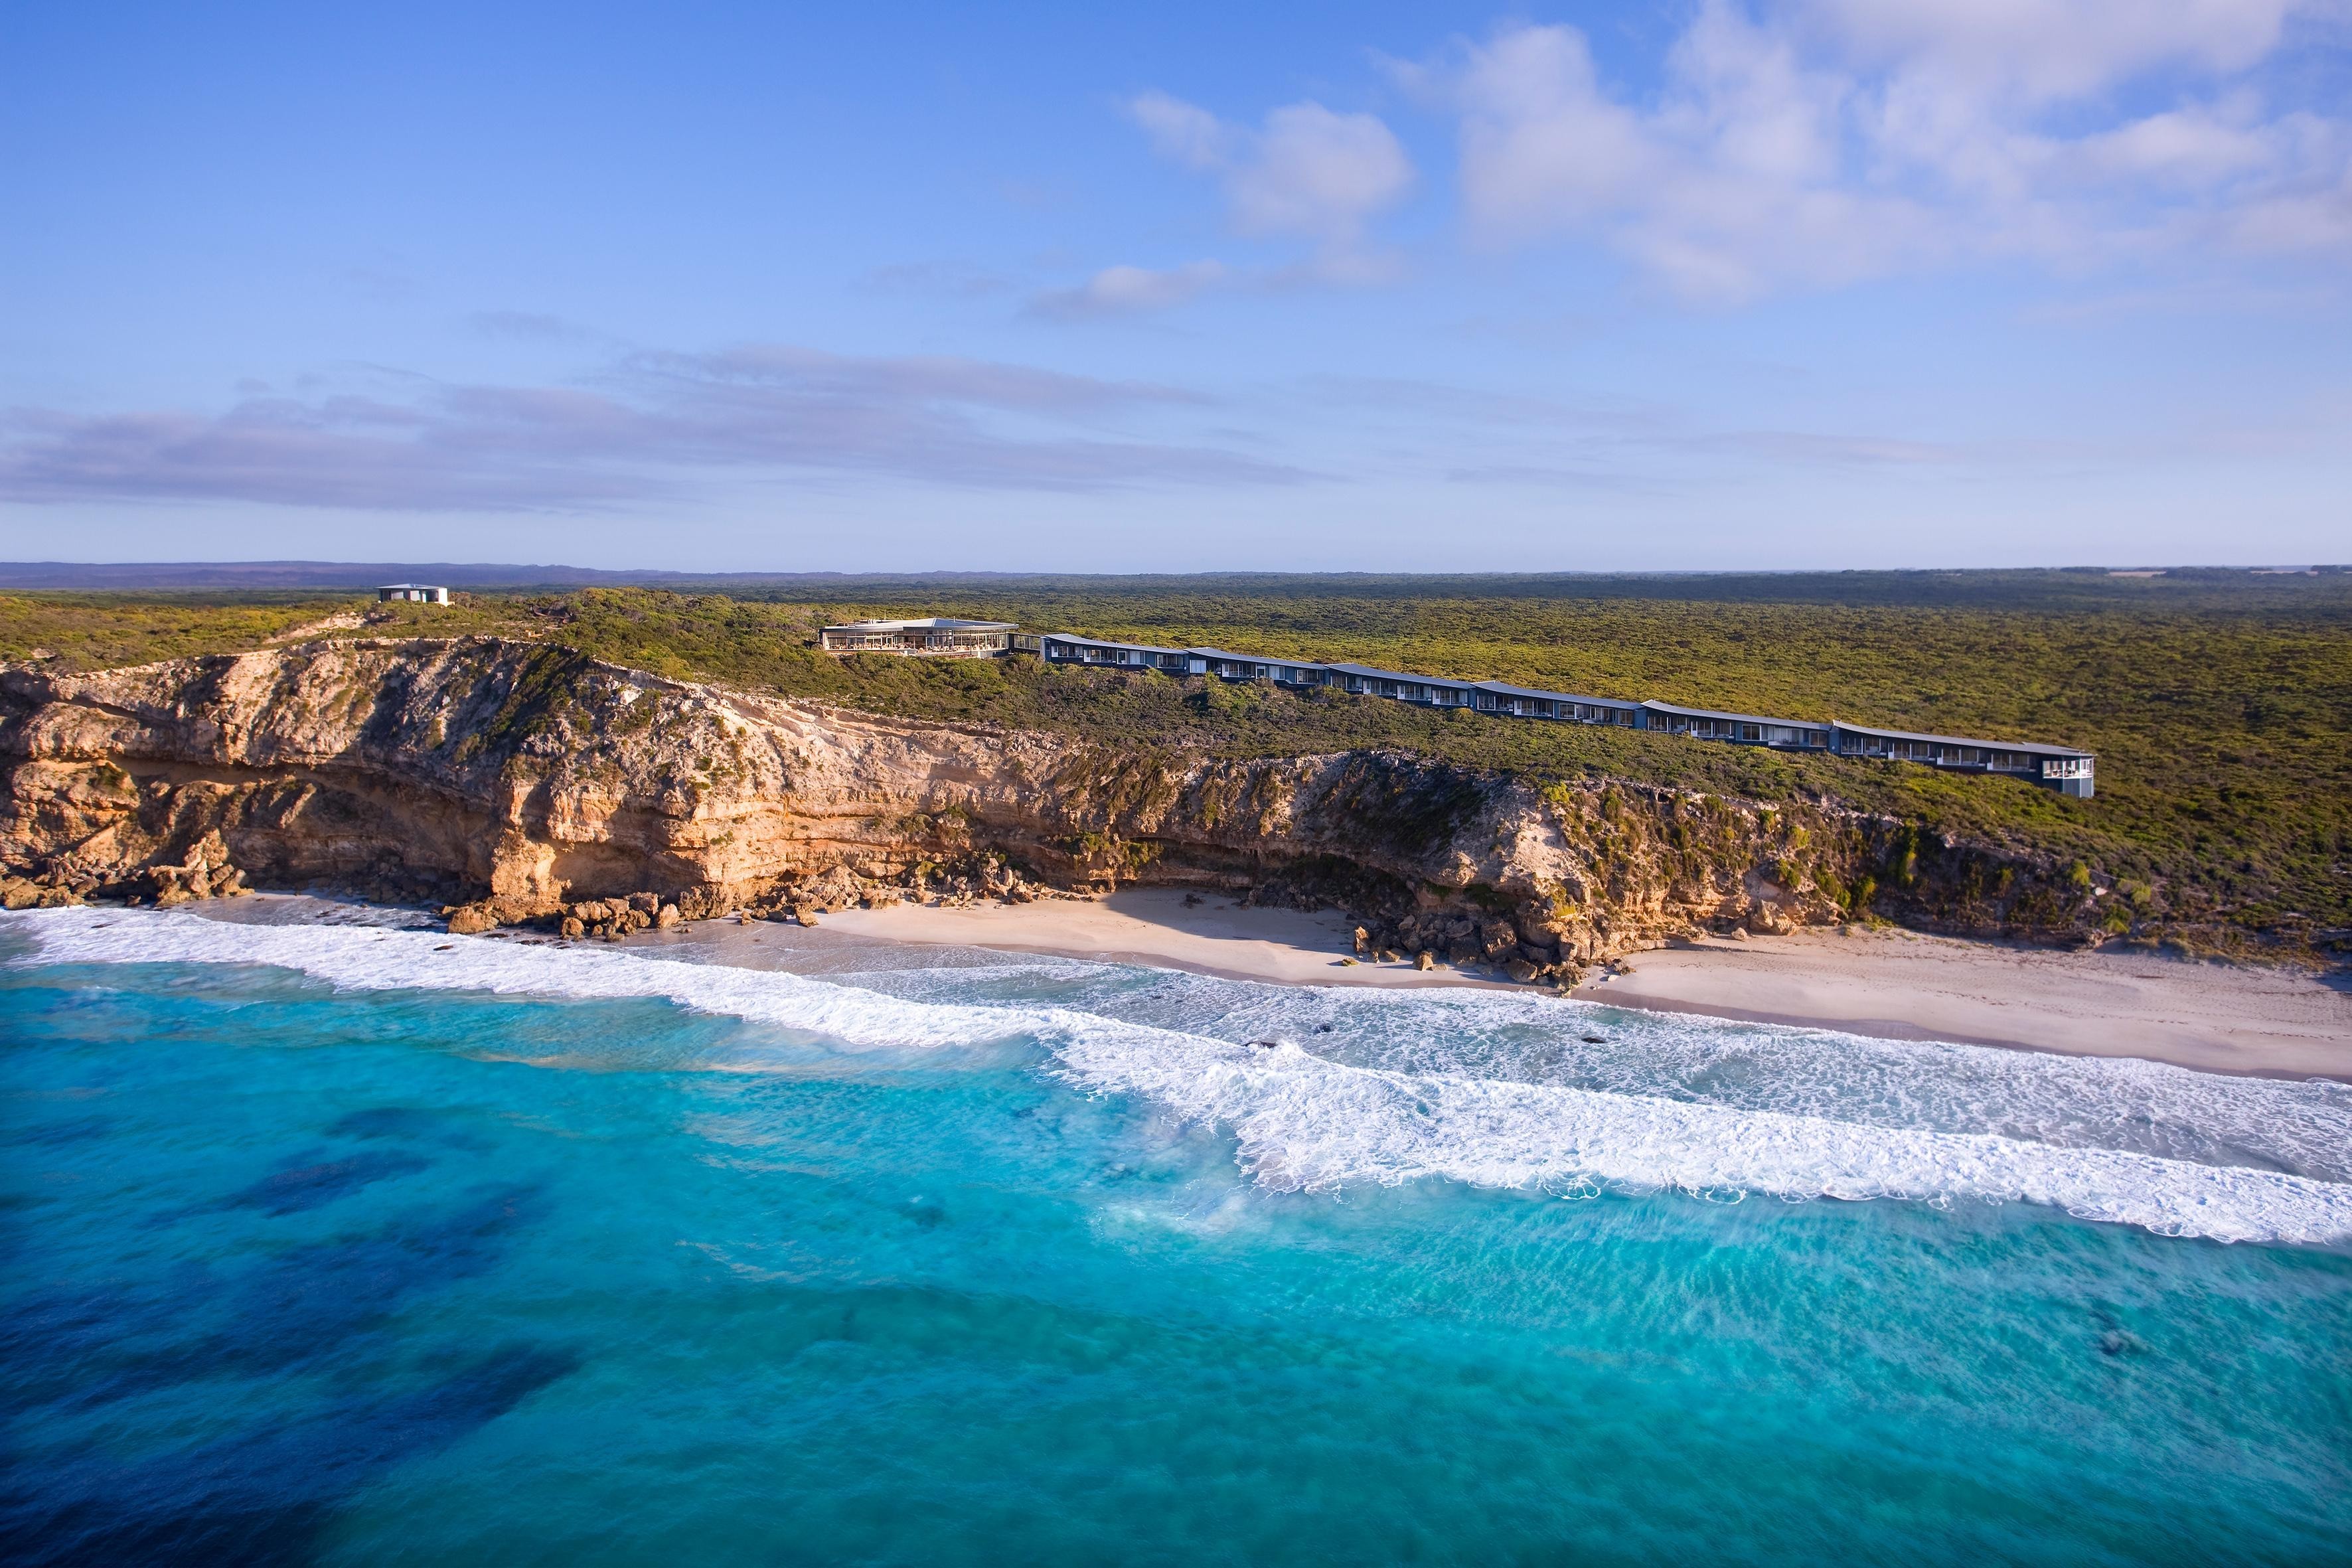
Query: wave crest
[{"x": 1304, "y": 1120}]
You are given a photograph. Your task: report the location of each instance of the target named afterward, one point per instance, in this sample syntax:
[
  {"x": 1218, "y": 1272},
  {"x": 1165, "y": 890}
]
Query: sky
[{"x": 1747, "y": 284}]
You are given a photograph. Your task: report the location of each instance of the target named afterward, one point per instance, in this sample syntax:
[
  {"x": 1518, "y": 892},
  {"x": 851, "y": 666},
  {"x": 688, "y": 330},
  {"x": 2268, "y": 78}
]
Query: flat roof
[
  {"x": 1098, "y": 642},
  {"x": 929, "y": 624},
  {"x": 1507, "y": 689},
  {"x": 383, "y": 587},
  {"x": 1368, "y": 672},
  {"x": 1258, "y": 658},
  {"x": 1656, "y": 707},
  {"x": 2041, "y": 747}
]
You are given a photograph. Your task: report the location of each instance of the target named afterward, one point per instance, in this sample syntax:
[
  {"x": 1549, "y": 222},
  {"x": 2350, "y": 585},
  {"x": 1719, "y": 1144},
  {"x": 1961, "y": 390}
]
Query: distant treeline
[{"x": 2198, "y": 588}]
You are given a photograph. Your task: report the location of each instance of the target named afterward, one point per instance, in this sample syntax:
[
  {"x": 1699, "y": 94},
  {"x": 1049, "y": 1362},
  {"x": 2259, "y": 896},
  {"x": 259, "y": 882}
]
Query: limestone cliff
[{"x": 529, "y": 781}]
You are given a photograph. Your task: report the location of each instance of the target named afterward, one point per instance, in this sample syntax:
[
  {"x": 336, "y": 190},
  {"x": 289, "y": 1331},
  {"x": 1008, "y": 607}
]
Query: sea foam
[
  {"x": 1312, "y": 1120},
  {"x": 2123, "y": 1103}
]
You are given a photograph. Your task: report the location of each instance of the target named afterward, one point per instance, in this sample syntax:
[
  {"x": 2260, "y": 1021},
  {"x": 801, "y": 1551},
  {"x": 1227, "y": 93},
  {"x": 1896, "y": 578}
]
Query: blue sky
[{"x": 1814, "y": 283}]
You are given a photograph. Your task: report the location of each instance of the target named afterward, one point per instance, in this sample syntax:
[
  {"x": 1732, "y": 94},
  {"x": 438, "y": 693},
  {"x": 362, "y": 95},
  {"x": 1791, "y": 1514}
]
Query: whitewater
[{"x": 1321, "y": 1090}]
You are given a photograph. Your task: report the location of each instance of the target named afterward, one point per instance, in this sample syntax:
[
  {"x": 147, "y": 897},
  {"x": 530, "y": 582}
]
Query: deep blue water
[{"x": 345, "y": 1258}]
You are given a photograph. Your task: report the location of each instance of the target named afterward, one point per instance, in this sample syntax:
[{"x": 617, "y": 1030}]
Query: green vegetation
[
  {"x": 103, "y": 631},
  {"x": 2220, "y": 703}
]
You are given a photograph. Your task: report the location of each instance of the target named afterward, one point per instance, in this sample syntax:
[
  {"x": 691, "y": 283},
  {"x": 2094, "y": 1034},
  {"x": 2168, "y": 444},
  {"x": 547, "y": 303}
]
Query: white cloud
[
  {"x": 2048, "y": 49},
  {"x": 1183, "y": 132},
  {"x": 1308, "y": 172},
  {"x": 1116, "y": 289},
  {"x": 1828, "y": 140},
  {"x": 1736, "y": 178},
  {"x": 1312, "y": 171},
  {"x": 1319, "y": 173}
]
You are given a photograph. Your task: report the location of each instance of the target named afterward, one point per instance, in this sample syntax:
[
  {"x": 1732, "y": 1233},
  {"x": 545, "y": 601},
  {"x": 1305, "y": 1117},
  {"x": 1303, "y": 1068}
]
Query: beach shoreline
[
  {"x": 1883, "y": 982},
  {"x": 1888, "y": 983},
  {"x": 1166, "y": 928}
]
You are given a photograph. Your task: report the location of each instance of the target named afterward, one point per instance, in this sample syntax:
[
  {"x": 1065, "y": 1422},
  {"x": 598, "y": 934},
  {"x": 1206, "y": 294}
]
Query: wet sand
[
  {"x": 1890, "y": 983},
  {"x": 2222, "y": 1017}
]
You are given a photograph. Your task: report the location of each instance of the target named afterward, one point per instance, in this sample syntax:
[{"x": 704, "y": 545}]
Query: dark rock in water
[{"x": 1596, "y": 1041}]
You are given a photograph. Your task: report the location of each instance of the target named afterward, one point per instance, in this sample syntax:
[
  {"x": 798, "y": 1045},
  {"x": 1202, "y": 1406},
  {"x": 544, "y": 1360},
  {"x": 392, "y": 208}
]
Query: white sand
[
  {"x": 2112, "y": 1003},
  {"x": 1893, "y": 984},
  {"x": 1155, "y": 925}
]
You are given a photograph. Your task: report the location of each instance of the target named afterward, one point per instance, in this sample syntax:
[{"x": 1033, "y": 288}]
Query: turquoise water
[{"x": 344, "y": 1245}]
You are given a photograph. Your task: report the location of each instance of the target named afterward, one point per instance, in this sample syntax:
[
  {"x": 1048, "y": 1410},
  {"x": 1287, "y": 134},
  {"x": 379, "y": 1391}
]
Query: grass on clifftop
[{"x": 2220, "y": 704}]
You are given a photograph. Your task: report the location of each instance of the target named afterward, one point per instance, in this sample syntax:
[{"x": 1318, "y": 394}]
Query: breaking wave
[{"x": 1476, "y": 1087}]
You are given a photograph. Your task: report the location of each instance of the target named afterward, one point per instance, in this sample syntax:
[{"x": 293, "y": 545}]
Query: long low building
[
  {"x": 1427, "y": 690},
  {"x": 1059, "y": 647},
  {"x": 936, "y": 636},
  {"x": 1528, "y": 703},
  {"x": 1227, "y": 666},
  {"x": 2063, "y": 768},
  {"x": 1749, "y": 728}
]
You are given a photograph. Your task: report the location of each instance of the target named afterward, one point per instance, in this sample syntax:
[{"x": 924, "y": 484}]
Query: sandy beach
[
  {"x": 1891, "y": 984},
  {"x": 1898, "y": 984},
  {"x": 1156, "y": 926}
]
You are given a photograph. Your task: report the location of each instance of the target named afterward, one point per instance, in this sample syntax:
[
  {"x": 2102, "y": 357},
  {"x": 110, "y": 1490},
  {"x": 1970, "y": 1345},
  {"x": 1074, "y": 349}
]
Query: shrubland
[{"x": 2220, "y": 703}]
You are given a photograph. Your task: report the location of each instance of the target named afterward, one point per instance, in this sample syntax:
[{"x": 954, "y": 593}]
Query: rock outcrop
[{"x": 516, "y": 781}]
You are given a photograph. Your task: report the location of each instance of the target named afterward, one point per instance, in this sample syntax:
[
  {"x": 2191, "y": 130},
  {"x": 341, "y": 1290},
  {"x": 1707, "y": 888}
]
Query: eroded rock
[{"x": 541, "y": 785}]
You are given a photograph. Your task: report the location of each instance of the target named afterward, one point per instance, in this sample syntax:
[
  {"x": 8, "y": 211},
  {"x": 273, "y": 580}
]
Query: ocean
[{"x": 332, "y": 1239}]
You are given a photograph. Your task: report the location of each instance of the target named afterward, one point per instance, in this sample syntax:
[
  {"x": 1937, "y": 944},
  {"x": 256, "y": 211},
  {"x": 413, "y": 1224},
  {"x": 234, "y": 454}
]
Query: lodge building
[
  {"x": 1526, "y": 702},
  {"x": 1752, "y": 729},
  {"x": 937, "y": 636},
  {"x": 2061, "y": 768}
]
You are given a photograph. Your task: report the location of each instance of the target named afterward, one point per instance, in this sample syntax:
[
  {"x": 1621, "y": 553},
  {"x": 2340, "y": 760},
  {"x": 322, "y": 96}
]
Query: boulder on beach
[{"x": 471, "y": 919}]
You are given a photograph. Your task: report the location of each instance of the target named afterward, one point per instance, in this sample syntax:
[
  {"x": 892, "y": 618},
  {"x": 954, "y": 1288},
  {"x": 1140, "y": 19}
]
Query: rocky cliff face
[{"x": 527, "y": 781}]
